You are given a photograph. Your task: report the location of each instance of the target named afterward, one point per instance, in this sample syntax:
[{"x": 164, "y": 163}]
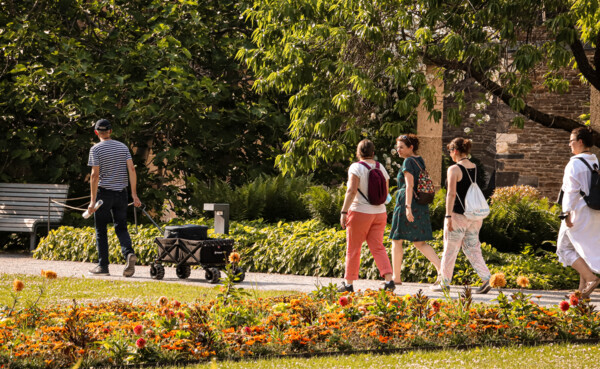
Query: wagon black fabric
[
  {"x": 207, "y": 252},
  {"x": 187, "y": 231},
  {"x": 194, "y": 252}
]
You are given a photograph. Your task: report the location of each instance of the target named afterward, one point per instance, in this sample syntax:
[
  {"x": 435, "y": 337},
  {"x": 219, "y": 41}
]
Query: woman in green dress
[{"x": 411, "y": 220}]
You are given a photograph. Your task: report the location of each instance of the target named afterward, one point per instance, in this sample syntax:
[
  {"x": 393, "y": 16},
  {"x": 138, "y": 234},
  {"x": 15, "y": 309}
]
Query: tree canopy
[
  {"x": 356, "y": 66},
  {"x": 163, "y": 71}
]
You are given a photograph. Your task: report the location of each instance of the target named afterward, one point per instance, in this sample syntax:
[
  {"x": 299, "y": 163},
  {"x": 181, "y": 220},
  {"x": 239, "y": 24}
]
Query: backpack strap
[
  {"x": 586, "y": 163},
  {"x": 466, "y": 171},
  {"x": 369, "y": 168},
  {"x": 591, "y": 170},
  {"x": 417, "y": 162}
]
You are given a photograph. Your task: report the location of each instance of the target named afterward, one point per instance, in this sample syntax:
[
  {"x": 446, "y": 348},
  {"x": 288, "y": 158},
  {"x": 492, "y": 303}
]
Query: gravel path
[{"x": 25, "y": 264}]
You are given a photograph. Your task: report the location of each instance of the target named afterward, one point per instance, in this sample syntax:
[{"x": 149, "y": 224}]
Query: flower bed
[{"x": 234, "y": 326}]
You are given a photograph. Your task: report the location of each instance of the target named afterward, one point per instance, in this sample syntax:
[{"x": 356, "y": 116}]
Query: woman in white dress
[{"x": 578, "y": 242}]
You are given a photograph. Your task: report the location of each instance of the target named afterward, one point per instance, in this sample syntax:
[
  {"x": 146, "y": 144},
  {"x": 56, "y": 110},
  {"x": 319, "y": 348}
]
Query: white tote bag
[{"x": 475, "y": 206}]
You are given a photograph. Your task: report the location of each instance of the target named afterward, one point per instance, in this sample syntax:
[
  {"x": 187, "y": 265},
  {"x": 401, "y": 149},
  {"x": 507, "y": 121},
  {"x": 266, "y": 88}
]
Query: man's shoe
[
  {"x": 98, "y": 271},
  {"x": 345, "y": 287},
  {"x": 389, "y": 286},
  {"x": 130, "y": 266},
  {"x": 485, "y": 288}
]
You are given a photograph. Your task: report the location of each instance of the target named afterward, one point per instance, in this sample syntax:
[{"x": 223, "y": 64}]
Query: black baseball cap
[{"x": 102, "y": 125}]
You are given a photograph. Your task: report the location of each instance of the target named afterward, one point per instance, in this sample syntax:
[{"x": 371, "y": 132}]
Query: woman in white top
[
  {"x": 363, "y": 221},
  {"x": 579, "y": 235}
]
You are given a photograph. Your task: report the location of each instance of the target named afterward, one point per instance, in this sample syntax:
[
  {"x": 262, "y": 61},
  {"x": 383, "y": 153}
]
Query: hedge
[{"x": 311, "y": 248}]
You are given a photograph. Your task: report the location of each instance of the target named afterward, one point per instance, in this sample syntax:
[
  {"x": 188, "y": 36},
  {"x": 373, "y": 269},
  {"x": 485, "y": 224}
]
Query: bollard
[{"x": 221, "y": 216}]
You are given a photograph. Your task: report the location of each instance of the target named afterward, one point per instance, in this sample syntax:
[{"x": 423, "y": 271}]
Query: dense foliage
[
  {"x": 312, "y": 248},
  {"x": 357, "y": 67},
  {"x": 163, "y": 72},
  {"x": 270, "y": 198},
  {"x": 520, "y": 218}
]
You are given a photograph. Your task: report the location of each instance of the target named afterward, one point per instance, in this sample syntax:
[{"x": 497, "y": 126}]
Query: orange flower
[
  {"x": 162, "y": 301},
  {"x": 18, "y": 285},
  {"x": 234, "y": 257},
  {"x": 498, "y": 280},
  {"x": 522, "y": 281}
]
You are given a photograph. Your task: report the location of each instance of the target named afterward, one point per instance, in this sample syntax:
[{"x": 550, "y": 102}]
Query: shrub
[
  {"x": 325, "y": 203},
  {"x": 312, "y": 248},
  {"x": 437, "y": 209},
  {"x": 519, "y": 216},
  {"x": 271, "y": 198}
]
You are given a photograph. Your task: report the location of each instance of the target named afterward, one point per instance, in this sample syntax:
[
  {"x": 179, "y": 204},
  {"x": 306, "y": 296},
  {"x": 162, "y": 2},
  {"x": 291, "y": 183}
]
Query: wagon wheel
[
  {"x": 157, "y": 271},
  {"x": 183, "y": 271},
  {"x": 238, "y": 274},
  {"x": 213, "y": 275}
]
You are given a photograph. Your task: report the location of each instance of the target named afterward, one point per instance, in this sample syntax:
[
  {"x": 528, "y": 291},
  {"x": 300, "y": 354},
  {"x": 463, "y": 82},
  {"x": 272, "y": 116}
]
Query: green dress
[{"x": 402, "y": 229}]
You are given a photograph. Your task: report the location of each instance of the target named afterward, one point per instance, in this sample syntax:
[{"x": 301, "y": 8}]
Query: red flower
[
  {"x": 573, "y": 300},
  {"x": 140, "y": 343},
  {"x": 138, "y": 329},
  {"x": 106, "y": 330},
  {"x": 435, "y": 305},
  {"x": 176, "y": 304},
  {"x": 343, "y": 300},
  {"x": 247, "y": 330},
  {"x": 564, "y": 305}
]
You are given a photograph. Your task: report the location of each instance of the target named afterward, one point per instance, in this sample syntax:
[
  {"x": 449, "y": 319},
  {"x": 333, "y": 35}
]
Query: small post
[
  {"x": 49, "y": 200},
  {"x": 221, "y": 216}
]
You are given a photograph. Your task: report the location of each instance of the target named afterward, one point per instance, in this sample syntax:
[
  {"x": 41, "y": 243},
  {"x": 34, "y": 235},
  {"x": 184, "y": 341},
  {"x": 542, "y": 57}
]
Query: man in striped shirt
[{"x": 111, "y": 163}]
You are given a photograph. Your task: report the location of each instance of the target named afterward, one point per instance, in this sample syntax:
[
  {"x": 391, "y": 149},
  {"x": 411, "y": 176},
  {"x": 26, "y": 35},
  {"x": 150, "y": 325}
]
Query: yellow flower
[
  {"x": 18, "y": 285},
  {"x": 498, "y": 280},
  {"x": 522, "y": 281},
  {"x": 234, "y": 257}
]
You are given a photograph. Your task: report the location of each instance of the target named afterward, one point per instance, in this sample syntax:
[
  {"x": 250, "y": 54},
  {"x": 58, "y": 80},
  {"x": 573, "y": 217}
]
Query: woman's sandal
[{"x": 589, "y": 288}]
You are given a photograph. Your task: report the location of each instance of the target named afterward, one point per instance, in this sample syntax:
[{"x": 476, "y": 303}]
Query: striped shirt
[{"x": 111, "y": 156}]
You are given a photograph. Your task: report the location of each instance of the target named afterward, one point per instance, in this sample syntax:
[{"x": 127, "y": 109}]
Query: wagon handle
[{"x": 143, "y": 209}]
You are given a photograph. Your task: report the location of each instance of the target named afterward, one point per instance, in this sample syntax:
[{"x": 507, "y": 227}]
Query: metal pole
[{"x": 49, "y": 199}]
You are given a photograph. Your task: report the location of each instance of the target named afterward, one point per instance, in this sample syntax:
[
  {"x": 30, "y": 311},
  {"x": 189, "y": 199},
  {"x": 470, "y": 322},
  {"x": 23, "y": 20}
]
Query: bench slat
[
  {"x": 34, "y": 185},
  {"x": 30, "y": 206},
  {"x": 5, "y": 199},
  {"x": 46, "y": 194},
  {"x": 30, "y": 213}
]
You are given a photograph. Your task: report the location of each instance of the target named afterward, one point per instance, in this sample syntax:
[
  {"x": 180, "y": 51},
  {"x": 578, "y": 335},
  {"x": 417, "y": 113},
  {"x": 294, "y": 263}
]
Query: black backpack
[{"x": 593, "y": 199}]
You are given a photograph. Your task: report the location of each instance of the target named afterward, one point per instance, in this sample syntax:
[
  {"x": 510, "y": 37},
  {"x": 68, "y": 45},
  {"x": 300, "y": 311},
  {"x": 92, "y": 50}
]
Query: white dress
[{"x": 583, "y": 239}]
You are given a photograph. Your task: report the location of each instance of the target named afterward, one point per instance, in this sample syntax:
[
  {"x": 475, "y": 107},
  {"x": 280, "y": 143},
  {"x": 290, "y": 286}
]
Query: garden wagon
[{"x": 189, "y": 245}]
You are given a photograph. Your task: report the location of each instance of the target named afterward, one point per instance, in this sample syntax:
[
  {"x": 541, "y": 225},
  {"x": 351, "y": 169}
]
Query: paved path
[{"x": 25, "y": 264}]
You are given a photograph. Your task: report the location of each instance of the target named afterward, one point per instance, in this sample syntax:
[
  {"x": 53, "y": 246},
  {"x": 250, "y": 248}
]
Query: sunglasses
[
  {"x": 451, "y": 149},
  {"x": 405, "y": 137}
]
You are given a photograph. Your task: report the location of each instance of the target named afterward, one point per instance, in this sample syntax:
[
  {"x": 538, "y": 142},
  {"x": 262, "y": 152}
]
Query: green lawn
[
  {"x": 64, "y": 290},
  {"x": 561, "y": 356}
]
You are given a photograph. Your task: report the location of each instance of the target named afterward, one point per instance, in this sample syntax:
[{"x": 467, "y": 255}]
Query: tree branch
[
  {"x": 583, "y": 63},
  {"x": 547, "y": 120}
]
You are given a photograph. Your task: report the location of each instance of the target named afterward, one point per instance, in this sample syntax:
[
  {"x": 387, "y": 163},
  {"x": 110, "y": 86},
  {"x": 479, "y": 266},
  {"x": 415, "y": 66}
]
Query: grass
[
  {"x": 563, "y": 356},
  {"x": 64, "y": 290}
]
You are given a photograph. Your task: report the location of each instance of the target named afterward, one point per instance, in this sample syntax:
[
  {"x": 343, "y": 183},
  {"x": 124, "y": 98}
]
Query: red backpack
[{"x": 377, "y": 189}]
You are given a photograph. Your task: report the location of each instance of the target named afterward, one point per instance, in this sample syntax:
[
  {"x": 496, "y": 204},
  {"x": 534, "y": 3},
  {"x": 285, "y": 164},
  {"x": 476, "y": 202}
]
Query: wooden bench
[{"x": 25, "y": 207}]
